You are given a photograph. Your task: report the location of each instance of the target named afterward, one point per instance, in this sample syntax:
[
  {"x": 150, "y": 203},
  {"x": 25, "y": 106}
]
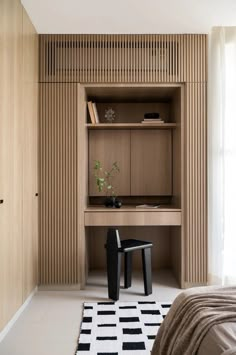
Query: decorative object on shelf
[
  {"x": 110, "y": 201},
  {"x": 113, "y": 201},
  {"x": 110, "y": 115},
  {"x": 104, "y": 182},
  {"x": 152, "y": 115}
]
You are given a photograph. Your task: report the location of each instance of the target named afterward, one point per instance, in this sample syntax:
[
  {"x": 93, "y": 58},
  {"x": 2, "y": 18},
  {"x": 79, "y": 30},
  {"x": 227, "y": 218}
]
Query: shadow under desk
[{"x": 161, "y": 226}]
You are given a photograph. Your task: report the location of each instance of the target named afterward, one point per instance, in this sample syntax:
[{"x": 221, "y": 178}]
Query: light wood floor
[{"x": 50, "y": 324}]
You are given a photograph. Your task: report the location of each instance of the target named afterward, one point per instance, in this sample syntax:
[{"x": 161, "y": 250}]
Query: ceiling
[{"x": 130, "y": 16}]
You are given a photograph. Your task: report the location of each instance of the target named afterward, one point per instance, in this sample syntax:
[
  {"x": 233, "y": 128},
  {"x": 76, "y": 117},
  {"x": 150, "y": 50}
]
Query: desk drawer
[{"x": 139, "y": 218}]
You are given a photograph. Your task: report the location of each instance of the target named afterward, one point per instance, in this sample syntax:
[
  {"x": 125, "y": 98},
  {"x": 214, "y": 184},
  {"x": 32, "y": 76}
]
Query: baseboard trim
[
  {"x": 10, "y": 324},
  {"x": 73, "y": 287}
]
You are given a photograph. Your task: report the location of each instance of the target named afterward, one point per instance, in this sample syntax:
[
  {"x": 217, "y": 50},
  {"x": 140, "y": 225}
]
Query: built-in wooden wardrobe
[
  {"x": 18, "y": 158},
  {"x": 133, "y": 74}
]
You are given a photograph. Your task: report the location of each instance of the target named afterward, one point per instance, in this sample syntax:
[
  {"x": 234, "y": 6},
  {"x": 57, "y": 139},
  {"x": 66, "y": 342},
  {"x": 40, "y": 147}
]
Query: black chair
[{"x": 114, "y": 249}]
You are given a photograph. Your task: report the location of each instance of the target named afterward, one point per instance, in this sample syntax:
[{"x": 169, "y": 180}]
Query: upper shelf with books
[
  {"x": 133, "y": 107},
  {"x": 132, "y": 126}
]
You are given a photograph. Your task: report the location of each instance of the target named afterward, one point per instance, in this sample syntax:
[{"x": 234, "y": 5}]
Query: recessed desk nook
[
  {"x": 150, "y": 159},
  {"x": 161, "y": 226}
]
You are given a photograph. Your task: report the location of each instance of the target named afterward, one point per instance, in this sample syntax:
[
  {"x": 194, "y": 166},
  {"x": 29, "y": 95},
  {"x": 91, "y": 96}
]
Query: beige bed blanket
[
  {"x": 219, "y": 340},
  {"x": 190, "y": 317}
]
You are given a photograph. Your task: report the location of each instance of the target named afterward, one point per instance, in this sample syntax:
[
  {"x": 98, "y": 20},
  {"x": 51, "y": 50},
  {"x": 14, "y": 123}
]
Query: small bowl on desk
[
  {"x": 118, "y": 203},
  {"x": 113, "y": 202}
]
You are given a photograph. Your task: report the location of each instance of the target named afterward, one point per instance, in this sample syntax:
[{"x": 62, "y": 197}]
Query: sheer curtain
[{"x": 222, "y": 155}]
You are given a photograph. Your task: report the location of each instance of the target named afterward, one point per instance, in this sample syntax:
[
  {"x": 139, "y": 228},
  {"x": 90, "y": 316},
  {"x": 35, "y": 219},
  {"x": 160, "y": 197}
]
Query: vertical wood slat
[
  {"x": 58, "y": 184},
  {"x": 122, "y": 58},
  {"x": 196, "y": 196}
]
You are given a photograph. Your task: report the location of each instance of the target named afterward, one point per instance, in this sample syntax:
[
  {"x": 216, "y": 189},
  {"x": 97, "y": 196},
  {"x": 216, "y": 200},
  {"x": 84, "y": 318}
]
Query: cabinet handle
[
  {"x": 36, "y": 194},
  {"x": 1, "y": 201}
]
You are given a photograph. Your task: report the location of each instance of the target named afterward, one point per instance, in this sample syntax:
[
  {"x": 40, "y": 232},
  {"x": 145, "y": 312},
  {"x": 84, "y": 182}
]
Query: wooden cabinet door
[
  {"x": 10, "y": 160},
  {"x": 110, "y": 146},
  {"x": 151, "y": 162},
  {"x": 30, "y": 157}
]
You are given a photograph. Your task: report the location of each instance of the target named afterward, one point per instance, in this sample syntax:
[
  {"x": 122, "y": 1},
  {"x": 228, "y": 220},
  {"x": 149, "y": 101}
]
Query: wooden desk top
[{"x": 132, "y": 216}]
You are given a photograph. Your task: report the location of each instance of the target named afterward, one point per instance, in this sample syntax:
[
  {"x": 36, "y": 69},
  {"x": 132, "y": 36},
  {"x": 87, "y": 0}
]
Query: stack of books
[
  {"x": 147, "y": 206},
  {"x": 152, "y": 117},
  {"x": 93, "y": 113},
  {"x": 153, "y": 120}
]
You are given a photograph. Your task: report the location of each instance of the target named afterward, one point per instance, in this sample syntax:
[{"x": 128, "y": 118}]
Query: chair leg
[
  {"x": 147, "y": 270},
  {"x": 128, "y": 269},
  {"x": 113, "y": 274}
]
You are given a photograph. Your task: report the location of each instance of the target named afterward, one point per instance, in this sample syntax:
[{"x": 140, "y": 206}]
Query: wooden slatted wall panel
[
  {"x": 58, "y": 184},
  {"x": 195, "y": 217},
  {"x": 117, "y": 59},
  {"x": 122, "y": 58}
]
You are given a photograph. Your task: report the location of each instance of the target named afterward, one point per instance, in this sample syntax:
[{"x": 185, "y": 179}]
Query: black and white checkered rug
[{"x": 114, "y": 328}]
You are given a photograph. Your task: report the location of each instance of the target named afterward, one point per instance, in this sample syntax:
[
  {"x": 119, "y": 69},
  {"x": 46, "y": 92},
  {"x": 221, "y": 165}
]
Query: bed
[{"x": 201, "y": 321}]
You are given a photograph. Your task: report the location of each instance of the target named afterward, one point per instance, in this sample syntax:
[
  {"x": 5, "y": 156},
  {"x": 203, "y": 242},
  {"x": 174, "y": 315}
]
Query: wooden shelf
[{"x": 131, "y": 125}]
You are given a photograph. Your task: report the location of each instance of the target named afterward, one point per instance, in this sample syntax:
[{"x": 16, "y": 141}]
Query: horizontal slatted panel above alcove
[{"x": 123, "y": 58}]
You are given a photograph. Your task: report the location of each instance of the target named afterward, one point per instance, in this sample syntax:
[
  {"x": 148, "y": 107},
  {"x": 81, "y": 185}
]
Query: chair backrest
[{"x": 113, "y": 239}]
